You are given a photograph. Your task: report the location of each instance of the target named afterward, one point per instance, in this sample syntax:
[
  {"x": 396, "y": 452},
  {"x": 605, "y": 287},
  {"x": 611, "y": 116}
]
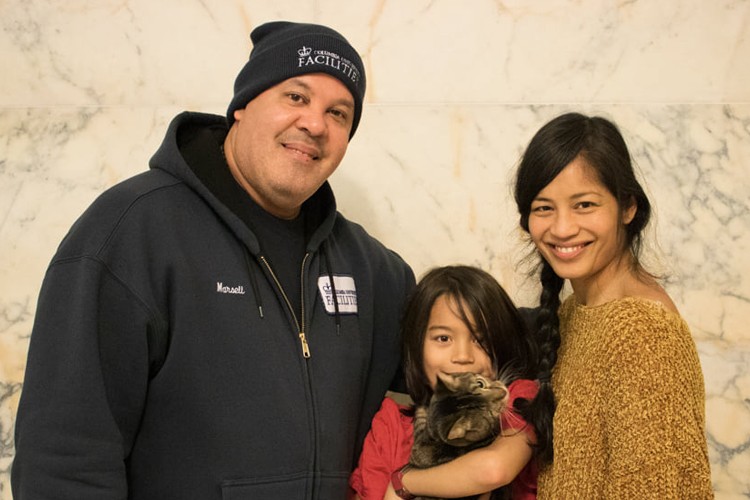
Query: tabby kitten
[{"x": 463, "y": 414}]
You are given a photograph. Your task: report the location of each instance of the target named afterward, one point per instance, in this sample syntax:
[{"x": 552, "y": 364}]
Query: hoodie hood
[{"x": 169, "y": 158}]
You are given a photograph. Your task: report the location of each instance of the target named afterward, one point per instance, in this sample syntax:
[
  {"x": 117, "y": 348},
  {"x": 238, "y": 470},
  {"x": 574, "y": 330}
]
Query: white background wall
[{"x": 456, "y": 88}]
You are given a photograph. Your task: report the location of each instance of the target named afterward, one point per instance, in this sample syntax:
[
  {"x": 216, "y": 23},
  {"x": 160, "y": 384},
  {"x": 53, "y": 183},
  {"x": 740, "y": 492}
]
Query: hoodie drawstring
[
  {"x": 333, "y": 289},
  {"x": 253, "y": 281},
  {"x": 329, "y": 269}
]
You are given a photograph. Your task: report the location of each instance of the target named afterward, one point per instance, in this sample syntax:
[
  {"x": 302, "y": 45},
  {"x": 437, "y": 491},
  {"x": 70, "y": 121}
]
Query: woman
[{"x": 630, "y": 416}]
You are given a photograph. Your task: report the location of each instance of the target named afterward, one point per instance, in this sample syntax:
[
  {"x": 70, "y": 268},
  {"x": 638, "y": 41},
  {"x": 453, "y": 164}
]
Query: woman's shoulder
[
  {"x": 651, "y": 291},
  {"x": 631, "y": 323},
  {"x": 634, "y": 310},
  {"x": 620, "y": 322},
  {"x": 630, "y": 309}
]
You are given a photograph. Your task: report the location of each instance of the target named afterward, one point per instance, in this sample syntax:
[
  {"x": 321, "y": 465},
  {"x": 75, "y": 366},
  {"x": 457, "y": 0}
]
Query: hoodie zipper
[
  {"x": 305, "y": 347},
  {"x": 299, "y": 324}
]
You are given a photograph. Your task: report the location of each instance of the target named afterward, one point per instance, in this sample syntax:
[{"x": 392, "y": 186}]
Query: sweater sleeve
[
  {"x": 386, "y": 448},
  {"x": 655, "y": 414},
  {"x": 85, "y": 386}
]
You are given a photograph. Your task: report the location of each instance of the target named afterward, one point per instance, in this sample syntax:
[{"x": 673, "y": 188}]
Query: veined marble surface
[{"x": 456, "y": 88}]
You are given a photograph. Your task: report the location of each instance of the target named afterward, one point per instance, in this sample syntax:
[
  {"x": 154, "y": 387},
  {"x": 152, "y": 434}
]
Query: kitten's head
[{"x": 465, "y": 408}]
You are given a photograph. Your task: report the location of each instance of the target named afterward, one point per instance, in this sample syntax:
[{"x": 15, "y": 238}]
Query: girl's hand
[
  {"x": 477, "y": 472},
  {"x": 390, "y": 493}
]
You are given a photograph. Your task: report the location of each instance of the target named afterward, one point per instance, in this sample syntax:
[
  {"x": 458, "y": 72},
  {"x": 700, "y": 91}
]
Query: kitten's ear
[
  {"x": 459, "y": 428},
  {"x": 443, "y": 383}
]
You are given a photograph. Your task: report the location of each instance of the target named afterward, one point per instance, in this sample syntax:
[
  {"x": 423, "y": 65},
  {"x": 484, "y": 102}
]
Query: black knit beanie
[{"x": 282, "y": 50}]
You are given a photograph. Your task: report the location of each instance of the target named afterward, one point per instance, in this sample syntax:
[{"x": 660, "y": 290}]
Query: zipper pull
[{"x": 305, "y": 347}]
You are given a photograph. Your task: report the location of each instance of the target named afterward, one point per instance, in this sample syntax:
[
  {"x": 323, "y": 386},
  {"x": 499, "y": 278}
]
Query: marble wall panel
[{"x": 456, "y": 89}]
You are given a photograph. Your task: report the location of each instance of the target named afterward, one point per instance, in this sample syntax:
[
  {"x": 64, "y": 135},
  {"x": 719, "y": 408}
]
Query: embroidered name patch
[
  {"x": 221, "y": 288},
  {"x": 346, "y": 294}
]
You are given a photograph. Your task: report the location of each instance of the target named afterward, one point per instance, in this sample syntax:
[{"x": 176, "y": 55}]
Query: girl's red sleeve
[
  {"x": 386, "y": 448},
  {"x": 524, "y": 485},
  {"x": 521, "y": 388}
]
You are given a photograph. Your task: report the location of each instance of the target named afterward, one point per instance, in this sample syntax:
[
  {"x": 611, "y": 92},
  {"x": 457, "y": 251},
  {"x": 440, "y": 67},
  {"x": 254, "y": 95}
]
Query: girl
[
  {"x": 459, "y": 319},
  {"x": 630, "y": 420}
]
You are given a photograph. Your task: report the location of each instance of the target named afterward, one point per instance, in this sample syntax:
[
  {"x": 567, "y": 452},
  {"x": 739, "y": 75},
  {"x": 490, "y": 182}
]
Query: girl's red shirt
[{"x": 388, "y": 445}]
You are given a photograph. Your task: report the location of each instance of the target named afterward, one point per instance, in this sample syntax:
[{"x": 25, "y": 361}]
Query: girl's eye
[
  {"x": 296, "y": 97},
  {"x": 586, "y": 204}
]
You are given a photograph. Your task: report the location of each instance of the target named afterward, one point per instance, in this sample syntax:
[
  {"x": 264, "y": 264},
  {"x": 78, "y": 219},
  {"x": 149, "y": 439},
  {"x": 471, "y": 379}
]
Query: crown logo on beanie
[{"x": 304, "y": 51}]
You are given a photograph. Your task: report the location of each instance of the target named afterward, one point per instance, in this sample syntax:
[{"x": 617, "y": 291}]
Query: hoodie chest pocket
[{"x": 282, "y": 486}]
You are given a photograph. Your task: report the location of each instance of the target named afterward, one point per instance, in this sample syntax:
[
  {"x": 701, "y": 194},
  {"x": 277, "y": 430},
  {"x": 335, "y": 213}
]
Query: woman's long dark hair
[
  {"x": 599, "y": 143},
  {"x": 498, "y": 324}
]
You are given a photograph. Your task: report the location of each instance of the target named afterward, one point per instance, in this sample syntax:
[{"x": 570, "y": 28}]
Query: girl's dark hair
[
  {"x": 599, "y": 143},
  {"x": 498, "y": 325}
]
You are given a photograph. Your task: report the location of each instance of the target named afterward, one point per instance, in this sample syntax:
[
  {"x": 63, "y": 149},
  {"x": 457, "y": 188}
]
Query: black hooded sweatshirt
[{"x": 167, "y": 362}]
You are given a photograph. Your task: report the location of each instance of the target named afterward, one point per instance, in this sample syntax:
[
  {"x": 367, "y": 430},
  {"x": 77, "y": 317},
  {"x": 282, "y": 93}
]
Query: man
[{"x": 213, "y": 328}]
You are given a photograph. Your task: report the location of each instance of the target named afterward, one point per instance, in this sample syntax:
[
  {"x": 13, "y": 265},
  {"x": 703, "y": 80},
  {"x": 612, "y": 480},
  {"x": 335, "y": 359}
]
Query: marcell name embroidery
[{"x": 220, "y": 288}]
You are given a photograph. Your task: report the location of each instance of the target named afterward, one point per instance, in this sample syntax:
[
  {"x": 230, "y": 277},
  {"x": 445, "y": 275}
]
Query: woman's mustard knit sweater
[{"x": 630, "y": 419}]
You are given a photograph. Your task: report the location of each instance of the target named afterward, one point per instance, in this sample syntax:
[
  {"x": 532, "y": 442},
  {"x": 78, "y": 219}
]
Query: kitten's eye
[{"x": 481, "y": 383}]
